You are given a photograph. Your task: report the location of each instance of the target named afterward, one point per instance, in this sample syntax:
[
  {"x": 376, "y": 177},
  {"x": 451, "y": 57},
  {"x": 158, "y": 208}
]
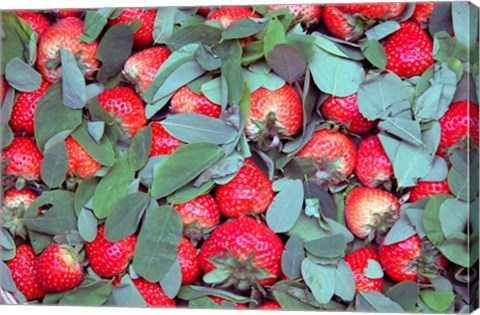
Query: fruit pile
[{"x": 294, "y": 157}]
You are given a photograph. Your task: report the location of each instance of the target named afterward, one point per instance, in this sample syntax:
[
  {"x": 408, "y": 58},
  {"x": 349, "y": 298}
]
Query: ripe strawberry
[
  {"x": 152, "y": 293},
  {"x": 460, "y": 120},
  {"x": 23, "y": 267},
  {"x": 342, "y": 25},
  {"x": 334, "y": 155},
  {"x": 270, "y": 306},
  {"x": 162, "y": 142},
  {"x": 373, "y": 166},
  {"x": 409, "y": 50},
  {"x": 3, "y": 88},
  {"x": 187, "y": 101},
  {"x": 370, "y": 210},
  {"x": 109, "y": 259},
  {"x": 58, "y": 268},
  {"x": 22, "y": 118},
  {"x": 64, "y": 13},
  {"x": 143, "y": 36},
  {"x": 199, "y": 216},
  {"x": 358, "y": 261},
  {"x": 422, "y": 12},
  {"x": 219, "y": 301},
  {"x": 344, "y": 110},
  {"x": 274, "y": 112},
  {"x": 36, "y": 20},
  {"x": 65, "y": 34},
  {"x": 141, "y": 68},
  {"x": 309, "y": 14},
  {"x": 188, "y": 258},
  {"x": 15, "y": 203},
  {"x": 245, "y": 249},
  {"x": 25, "y": 159},
  {"x": 80, "y": 163},
  {"x": 384, "y": 11},
  {"x": 424, "y": 189},
  {"x": 13, "y": 198},
  {"x": 408, "y": 259},
  {"x": 203, "y": 11},
  {"x": 127, "y": 104},
  {"x": 250, "y": 191},
  {"x": 228, "y": 15}
]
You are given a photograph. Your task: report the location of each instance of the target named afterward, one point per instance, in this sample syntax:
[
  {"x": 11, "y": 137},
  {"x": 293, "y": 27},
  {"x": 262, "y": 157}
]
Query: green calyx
[
  {"x": 381, "y": 224},
  {"x": 269, "y": 133}
]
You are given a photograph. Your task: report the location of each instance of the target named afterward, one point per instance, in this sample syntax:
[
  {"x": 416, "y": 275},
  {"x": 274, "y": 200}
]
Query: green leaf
[
  {"x": 458, "y": 185},
  {"x": 242, "y": 28},
  {"x": 164, "y": 23},
  {"x": 373, "y": 270},
  {"x": 203, "y": 303},
  {"x": 431, "y": 218},
  {"x": 320, "y": 279},
  {"x": 6, "y": 279},
  {"x": 87, "y": 225},
  {"x": 401, "y": 230},
  {"x": 200, "y": 33},
  {"x": 13, "y": 40},
  {"x": 93, "y": 25},
  {"x": 443, "y": 46},
  {"x": 405, "y": 294},
  {"x": 172, "y": 281},
  {"x": 157, "y": 243},
  {"x": 375, "y": 53},
  {"x": 140, "y": 148},
  {"x": 212, "y": 90},
  {"x": 96, "y": 130},
  {"x": 439, "y": 171},
  {"x": 232, "y": 74},
  {"x": 294, "y": 296},
  {"x": 373, "y": 301},
  {"x": 406, "y": 129},
  {"x": 126, "y": 294},
  {"x": 441, "y": 19},
  {"x": 335, "y": 75},
  {"x": 207, "y": 58},
  {"x": 337, "y": 49},
  {"x": 54, "y": 165},
  {"x": 465, "y": 23},
  {"x": 456, "y": 249},
  {"x": 292, "y": 257},
  {"x": 89, "y": 293},
  {"x": 192, "y": 292},
  {"x": 118, "y": 39},
  {"x": 453, "y": 216},
  {"x": 415, "y": 216},
  {"x": 382, "y": 30},
  {"x": 146, "y": 174},
  {"x": 74, "y": 92},
  {"x": 344, "y": 281},
  {"x": 222, "y": 169},
  {"x": 102, "y": 152},
  {"x": 285, "y": 208},
  {"x": 307, "y": 229},
  {"x": 85, "y": 192},
  {"x": 330, "y": 246},
  {"x": 274, "y": 35},
  {"x": 287, "y": 62},
  {"x": 189, "y": 192},
  {"x": 21, "y": 76},
  {"x": 438, "y": 301}
]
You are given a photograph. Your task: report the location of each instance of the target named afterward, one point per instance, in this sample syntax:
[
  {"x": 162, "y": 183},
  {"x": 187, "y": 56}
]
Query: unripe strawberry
[
  {"x": 15, "y": 203},
  {"x": 187, "y": 101},
  {"x": 15, "y": 198},
  {"x": 162, "y": 142},
  {"x": 358, "y": 261},
  {"x": 25, "y": 159},
  {"x": 373, "y": 166},
  {"x": 143, "y": 36},
  {"x": 152, "y": 293}
]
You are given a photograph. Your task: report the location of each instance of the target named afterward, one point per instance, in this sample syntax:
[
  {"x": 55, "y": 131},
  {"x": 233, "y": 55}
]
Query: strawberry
[
  {"x": 199, "y": 216},
  {"x": 126, "y": 104},
  {"x": 461, "y": 120},
  {"x": 228, "y": 15},
  {"x": 23, "y": 267},
  {"x": 15, "y": 203},
  {"x": 409, "y": 50},
  {"x": 422, "y": 13},
  {"x": 65, "y": 34},
  {"x": 382, "y": 11},
  {"x": 333, "y": 153},
  {"x": 109, "y": 259},
  {"x": 341, "y": 25},
  {"x": 24, "y": 158},
  {"x": 219, "y": 301},
  {"x": 203, "y": 11},
  {"x": 358, "y": 261},
  {"x": 274, "y": 112},
  {"x": 3, "y": 88},
  {"x": 424, "y": 189},
  {"x": 270, "y": 306},
  {"x": 64, "y": 13},
  {"x": 162, "y": 142},
  {"x": 80, "y": 163},
  {"x": 143, "y": 36},
  {"x": 37, "y": 21},
  {"x": 370, "y": 210},
  {"x": 407, "y": 260},
  {"x": 141, "y": 68},
  {"x": 247, "y": 250},
  {"x": 13, "y": 198},
  {"x": 58, "y": 268},
  {"x": 250, "y": 191},
  {"x": 344, "y": 110},
  {"x": 309, "y": 14},
  {"x": 188, "y": 258},
  {"x": 23, "y": 112},
  {"x": 152, "y": 293},
  {"x": 187, "y": 101},
  {"x": 373, "y": 166}
]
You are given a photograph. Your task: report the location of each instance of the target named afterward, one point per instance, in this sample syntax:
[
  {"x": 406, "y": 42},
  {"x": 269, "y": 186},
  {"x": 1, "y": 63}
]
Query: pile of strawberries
[{"x": 295, "y": 157}]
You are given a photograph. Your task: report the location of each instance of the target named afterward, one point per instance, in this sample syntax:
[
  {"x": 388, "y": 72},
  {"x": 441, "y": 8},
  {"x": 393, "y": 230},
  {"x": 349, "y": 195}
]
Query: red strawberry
[
  {"x": 409, "y": 50},
  {"x": 143, "y": 36},
  {"x": 373, "y": 166},
  {"x": 228, "y": 15},
  {"x": 422, "y": 12},
  {"x": 152, "y": 293},
  {"x": 424, "y": 189},
  {"x": 199, "y": 215},
  {"x": 187, "y": 101},
  {"x": 24, "y": 109},
  {"x": 270, "y": 306},
  {"x": 344, "y": 110},
  {"x": 333, "y": 153},
  {"x": 250, "y": 191},
  {"x": 65, "y": 34},
  {"x": 203, "y": 11},
  {"x": 368, "y": 210},
  {"x": 405, "y": 260},
  {"x": 188, "y": 258},
  {"x": 278, "y": 112},
  {"x": 37, "y": 21},
  {"x": 341, "y": 25},
  {"x": 127, "y": 104},
  {"x": 375, "y": 10},
  {"x": 15, "y": 198},
  {"x": 63, "y": 13},
  {"x": 142, "y": 67},
  {"x": 460, "y": 120},
  {"x": 25, "y": 159},
  {"x": 58, "y": 268},
  {"x": 80, "y": 163},
  {"x": 3, "y": 88},
  {"x": 109, "y": 259},
  {"x": 309, "y": 14},
  {"x": 358, "y": 261},
  {"x": 23, "y": 267},
  {"x": 162, "y": 142},
  {"x": 245, "y": 249},
  {"x": 219, "y": 301}
]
